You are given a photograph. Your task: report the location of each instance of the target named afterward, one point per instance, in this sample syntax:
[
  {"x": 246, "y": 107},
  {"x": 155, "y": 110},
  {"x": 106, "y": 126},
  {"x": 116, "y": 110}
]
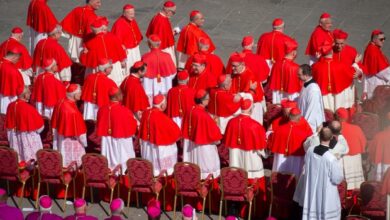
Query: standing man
[
  {"x": 317, "y": 189},
  {"x": 8, "y": 212},
  {"x": 160, "y": 25},
  {"x": 77, "y": 23},
  {"x": 25, "y": 61},
  {"x": 41, "y": 21},
  {"x": 377, "y": 64},
  {"x": 200, "y": 76},
  {"x": 321, "y": 34},
  {"x": 127, "y": 30},
  {"x": 190, "y": 36},
  {"x": 310, "y": 98},
  {"x": 117, "y": 126}
]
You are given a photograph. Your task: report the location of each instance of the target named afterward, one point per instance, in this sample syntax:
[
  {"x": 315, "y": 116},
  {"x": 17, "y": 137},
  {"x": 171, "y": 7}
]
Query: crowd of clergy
[{"x": 180, "y": 102}]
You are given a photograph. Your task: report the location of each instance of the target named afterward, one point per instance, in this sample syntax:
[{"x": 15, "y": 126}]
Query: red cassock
[
  {"x": 379, "y": 147},
  {"x": 214, "y": 64},
  {"x": 50, "y": 49},
  {"x": 284, "y": 77},
  {"x": 347, "y": 56},
  {"x": 271, "y": 45},
  {"x": 189, "y": 38},
  {"x": 96, "y": 89},
  {"x": 11, "y": 79},
  {"x": 355, "y": 138},
  {"x": 115, "y": 120},
  {"x": 40, "y": 17},
  {"x": 22, "y": 117},
  {"x": 317, "y": 39},
  {"x": 288, "y": 139},
  {"x": 205, "y": 80},
  {"x": 244, "y": 133},
  {"x": 67, "y": 119},
  {"x": 127, "y": 31},
  {"x": 160, "y": 64},
  {"x": 180, "y": 100},
  {"x": 241, "y": 83},
  {"x": 160, "y": 25},
  {"x": 332, "y": 77},
  {"x": 102, "y": 46},
  {"x": 374, "y": 59},
  {"x": 48, "y": 90},
  {"x": 25, "y": 60},
  {"x": 134, "y": 96},
  {"x": 279, "y": 122},
  {"x": 222, "y": 103},
  {"x": 78, "y": 21},
  {"x": 157, "y": 128},
  {"x": 199, "y": 127}
]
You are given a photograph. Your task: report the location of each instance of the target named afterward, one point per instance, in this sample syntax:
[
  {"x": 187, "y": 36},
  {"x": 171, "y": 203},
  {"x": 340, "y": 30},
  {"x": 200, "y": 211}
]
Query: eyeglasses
[{"x": 382, "y": 39}]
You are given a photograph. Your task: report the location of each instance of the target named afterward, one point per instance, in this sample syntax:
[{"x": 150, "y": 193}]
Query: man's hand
[
  {"x": 358, "y": 58},
  {"x": 318, "y": 55},
  {"x": 237, "y": 98},
  {"x": 253, "y": 85}
]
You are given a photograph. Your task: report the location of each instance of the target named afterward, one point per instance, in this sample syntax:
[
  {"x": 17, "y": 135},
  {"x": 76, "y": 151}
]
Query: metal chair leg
[
  {"x": 112, "y": 195},
  {"x": 21, "y": 198},
  {"x": 220, "y": 209},
  {"x": 91, "y": 192},
  {"x": 136, "y": 195},
  {"x": 66, "y": 195},
  {"x": 174, "y": 207},
  {"x": 203, "y": 205},
  {"x": 39, "y": 188},
  {"x": 83, "y": 193},
  {"x": 209, "y": 204},
  {"x": 128, "y": 202},
  {"x": 250, "y": 211}
]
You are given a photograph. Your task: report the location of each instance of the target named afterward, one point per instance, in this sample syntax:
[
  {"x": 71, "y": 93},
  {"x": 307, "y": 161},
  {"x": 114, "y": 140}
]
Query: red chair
[
  {"x": 141, "y": 179},
  {"x": 372, "y": 202},
  {"x": 356, "y": 217},
  {"x": 98, "y": 175},
  {"x": 282, "y": 192},
  {"x": 346, "y": 201},
  {"x": 189, "y": 184},
  {"x": 51, "y": 171},
  {"x": 234, "y": 187},
  {"x": 10, "y": 169}
]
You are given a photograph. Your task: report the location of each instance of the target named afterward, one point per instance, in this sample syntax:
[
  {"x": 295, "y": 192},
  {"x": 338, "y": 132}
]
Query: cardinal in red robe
[
  {"x": 127, "y": 30},
  {"x": 96, "y": 89},
  {"x": 69, "y": 130},
  {"x": 25, "y": 60},
  {"x": 187, "y": 44},
  {"x": 160, "y": 25},
  {"x": 134, "y": 96},
  {"x": 77, "y": 23},
  {"x": 117, "y": 126},
  {"x": 284, "y": 81},
  {"x": 47, "y": 90},
  {"x": 23, "y": 124},
  {"x": 271, "y": 44},
  {"x": 321, "y": 34},
  {"x": 201, "y": 77},
  {"x": 180, "y": 98},
  {"x": 41, "y": 21}
]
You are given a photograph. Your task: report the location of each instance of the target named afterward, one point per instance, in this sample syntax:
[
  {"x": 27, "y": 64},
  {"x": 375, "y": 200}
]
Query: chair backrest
[
  {"x": 234, "y": 181},
  {"x": 8, "y": 162},
  {"x": 187, "y": 176},
  {"x": 140, "y": 172},
  {"x": 283, "y": 185},
  {"x": 371, "y": 196},
  {"x": 49, "y": 164},
  {"x": 95, "y": 168}
]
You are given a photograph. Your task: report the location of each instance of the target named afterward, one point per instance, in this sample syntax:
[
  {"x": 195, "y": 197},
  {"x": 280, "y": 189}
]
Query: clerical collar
[
  {"x": 135, "y": 76},
  {"x": 321, "y": 149},
  {"x": 162, "y": 14},
  {"x": 332, "y": 143},
  {"x": 307, "y": 83},
  {"x": 245, "y": 114}
]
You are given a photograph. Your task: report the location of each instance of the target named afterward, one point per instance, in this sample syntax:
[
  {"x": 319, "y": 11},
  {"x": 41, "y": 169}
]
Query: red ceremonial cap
[
  {"x": 376, "y": 32},
  {"x": 290, "y": 45},
  {"x": 295, "y": 111},
  {"x": 2, "y": 192},
  {"x": 246, "y": 41},
  {"x": 154, "y": 38},
  {"x": 153, "y": 208},
  {"x": 342, "y": 113},
  {"x": 113, "y": 90},
  {"x": 326, "y": 48},
  {"x": 182, "y": 75},
  {"x": 199, "y": 58},
  {"x": 246, "y": 104},
  {"x": 204, "y": 41},
  {"x": 47, "y": 63},
  {"x": 194, "y": 13},
  {"x": 188, "y": 211},
  {"x": 340, "y": 34},
  {"x": 277, "y": 22},
  {"x": 200, "y": 93},
  {"x": 138, "y": 64},
  {"x": 116, "y": 204},
  {"x": 221, "y": 78},
  {"x": 14, "y": 50},
  {"x": 128, "y": 6},
  {"x": 325, "y": 15},
  {"x": 158, "y": 99},
  {"x": 97, "y": 23},
  {"x": 169, "y": 4},
  {"x": 288, "y": 104},
  {"x": 17, "y": 30},
  {"x": 72, "y": 88},
  {"x": 236, "y": 57},
  {"x": 45, "y": 202},
  {"x": 78, "y": 203}
]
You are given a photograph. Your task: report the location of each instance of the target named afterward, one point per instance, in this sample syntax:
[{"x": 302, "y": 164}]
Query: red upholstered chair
[
  {"x": 368, "y": 122},
  {"x": 98, "y": 175},
  {"x": 234, "y": 187},
  {"x": 11, "y": 170},
  {"x": 47, "y": 134},
  {"x": 346, "y": 201},
  {"x": 356, "y": 217},
  {"x": 189, "y": 184},
  {"x": 141, "y": 179},
  {"x": 3, "y": 131},
  {"x": 372, "y": 201},
  {"x": 381, "y": 93},
  {"x": 282, "y": 193},
  {"x": 51, "y": 171}
]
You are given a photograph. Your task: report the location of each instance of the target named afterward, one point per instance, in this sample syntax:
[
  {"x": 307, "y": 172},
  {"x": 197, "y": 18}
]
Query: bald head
[
  {"x": 325, "y": 135},
  {"x": 335, "y": 127}
]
